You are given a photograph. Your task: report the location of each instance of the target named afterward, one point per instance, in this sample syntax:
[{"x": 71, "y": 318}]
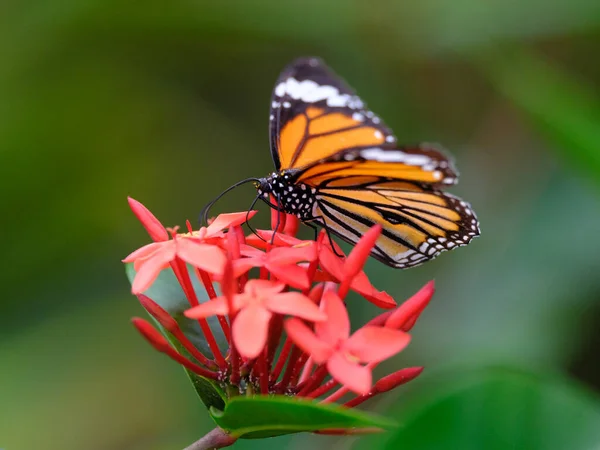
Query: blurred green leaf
[
  {"x": 438, "y": 26},
  {"x": 261, "y": 416},
  {"x": 167, "y": 292},
  {"x": 497, "y": 409},
  {"x": 563, "y": 108}
]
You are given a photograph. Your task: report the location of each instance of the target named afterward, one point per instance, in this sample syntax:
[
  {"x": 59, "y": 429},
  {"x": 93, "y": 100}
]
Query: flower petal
[
  {"x": 263, "y": 288},
  {"x": 293, "y": 275},
  {"x": 227, "y": 221},
  {"x": 250, "y": 329},
  {"x": 361, "y": 251},
  {"x": 143, "y": 252},
  {"x": 203, "y": 256},
  {"x": 155, "y": 229},
  {"x": 295, "y": 304},
  {"x": 331, "y": 263},
  {"x": 249, "y": 251},
  {"x": 292, "y": 223},
  {"x": 304, "y": 338},
  {"x": 321, "y": 275},
  {"x": 215, "y": 307},
  {"x": 362, "y": 285},
  {"x": 278, "y": 218},
  {"x": 243, "y": 265},
  {"x": 337, "y": 325},
  {"x": 316, "y": 293},
  {"x": 156, "y": 311},
  {"x": 282, "y": 256},
  {"x": 375, "y": 344},
  {"x": 265, "y": 237},
  {"x": 406, "y": 315},
  {"x": 150, "y": 269},
  {"x": 397, "y": 378},
  {"x": 353, "y": 376},
  {"x": 151, "y": 334}
]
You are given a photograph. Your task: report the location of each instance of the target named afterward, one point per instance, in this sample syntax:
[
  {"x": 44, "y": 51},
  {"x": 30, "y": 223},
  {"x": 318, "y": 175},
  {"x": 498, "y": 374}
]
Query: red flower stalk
[{"x": 296, "y": 304}]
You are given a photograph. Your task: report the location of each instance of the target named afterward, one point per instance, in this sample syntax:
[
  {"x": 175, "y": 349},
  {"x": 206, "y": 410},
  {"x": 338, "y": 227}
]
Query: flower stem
[
  {"x": 307, "y": 370},
  {"x": 323, "y": 389},
  {"x": 180, "y": 270},
  {"x": 216, "y": 438},
  {"x": 264, "y": 373},
  {"x": 275, "y": 333},
  {"x": 315, "y": 379},
  {"x": 242, "y": 240},
  {"x": 285, "y": 351},
  {"x": 289, "y": 369},
  {"x": 298, "y": 367},
  {"x": 210, "y": 290}
]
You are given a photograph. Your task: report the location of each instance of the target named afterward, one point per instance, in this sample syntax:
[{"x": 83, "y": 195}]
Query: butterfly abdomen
[{"x": 295, "y": 198}]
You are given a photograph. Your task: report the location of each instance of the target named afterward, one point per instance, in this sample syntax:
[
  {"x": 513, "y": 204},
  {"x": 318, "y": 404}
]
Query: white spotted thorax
[{"x": 296, "y": 199}]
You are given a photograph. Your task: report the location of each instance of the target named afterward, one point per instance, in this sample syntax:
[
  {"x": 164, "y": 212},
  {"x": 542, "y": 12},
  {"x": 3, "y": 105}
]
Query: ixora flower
[{"x": 279, "y": 357}]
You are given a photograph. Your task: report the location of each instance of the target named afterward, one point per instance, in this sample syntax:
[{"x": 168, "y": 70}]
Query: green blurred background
[{"x": 168, "y": 102}]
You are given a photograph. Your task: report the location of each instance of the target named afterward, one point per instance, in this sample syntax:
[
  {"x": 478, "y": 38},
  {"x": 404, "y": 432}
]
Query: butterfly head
[{"x": 291, "y": 197}]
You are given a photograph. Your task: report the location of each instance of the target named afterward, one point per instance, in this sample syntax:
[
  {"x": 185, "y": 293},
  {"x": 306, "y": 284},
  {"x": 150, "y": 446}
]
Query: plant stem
[{"x": 216, "y": 438}]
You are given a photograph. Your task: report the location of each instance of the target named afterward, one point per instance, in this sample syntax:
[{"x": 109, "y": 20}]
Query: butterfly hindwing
[{"x": 418, "y": 223}]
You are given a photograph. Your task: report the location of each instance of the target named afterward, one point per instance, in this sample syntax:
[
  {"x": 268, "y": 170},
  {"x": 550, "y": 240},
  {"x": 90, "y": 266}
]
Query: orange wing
[
  {"x": 321, "y": 129},
  {"x": 418, "y": 223}
]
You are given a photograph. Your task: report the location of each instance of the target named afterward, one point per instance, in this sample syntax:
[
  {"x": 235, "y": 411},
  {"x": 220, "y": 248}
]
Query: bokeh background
[{"x": 168, "y": 102}]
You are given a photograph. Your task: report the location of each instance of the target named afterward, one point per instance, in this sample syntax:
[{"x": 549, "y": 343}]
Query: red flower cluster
[{"x": 295, "y": 306}]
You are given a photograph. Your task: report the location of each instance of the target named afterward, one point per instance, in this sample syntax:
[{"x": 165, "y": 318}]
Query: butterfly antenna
[{"x": 209, "y": 205}]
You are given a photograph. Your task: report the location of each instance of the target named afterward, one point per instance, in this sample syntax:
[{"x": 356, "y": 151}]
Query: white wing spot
[
  {"x": 378, "y": 154},
  {"x": 310, "y": 92}
]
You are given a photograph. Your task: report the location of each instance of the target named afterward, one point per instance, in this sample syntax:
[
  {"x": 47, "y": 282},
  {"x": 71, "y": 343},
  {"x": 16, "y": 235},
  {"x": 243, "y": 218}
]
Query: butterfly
[{"x": 339, "y": 166}]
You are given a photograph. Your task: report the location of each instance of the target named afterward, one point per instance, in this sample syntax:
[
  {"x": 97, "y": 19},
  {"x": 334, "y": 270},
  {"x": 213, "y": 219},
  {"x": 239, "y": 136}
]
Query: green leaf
[
  {"x": 167, "y": 292},
  {"x": 496, "y": 409},
  {"x": 563, "y": 109},
  {"x": 263, "y": 416}
]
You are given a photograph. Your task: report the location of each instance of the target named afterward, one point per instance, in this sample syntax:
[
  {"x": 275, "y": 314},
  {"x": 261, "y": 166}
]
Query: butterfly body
[
  {"x": 294, "y": 198},
  {"x": 338, "y": 165}
]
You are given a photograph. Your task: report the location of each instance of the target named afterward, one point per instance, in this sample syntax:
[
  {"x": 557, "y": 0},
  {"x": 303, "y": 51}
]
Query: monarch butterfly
[{"x": 338, "y": 165}]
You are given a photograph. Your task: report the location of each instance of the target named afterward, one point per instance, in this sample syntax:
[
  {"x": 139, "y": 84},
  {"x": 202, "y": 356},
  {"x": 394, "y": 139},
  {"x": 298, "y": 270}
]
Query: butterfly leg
[
  {"x": 276, "y": 229},
  {"x": 248, "y": 219},
  {"x": 316, "y": 230}
]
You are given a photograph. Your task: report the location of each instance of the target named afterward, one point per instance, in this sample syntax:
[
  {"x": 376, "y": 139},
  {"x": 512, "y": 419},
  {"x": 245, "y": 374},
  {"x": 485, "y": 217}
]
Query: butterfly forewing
[
  {"x": 316, "y": 118},
  {"x": 418, "y": 223}
]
